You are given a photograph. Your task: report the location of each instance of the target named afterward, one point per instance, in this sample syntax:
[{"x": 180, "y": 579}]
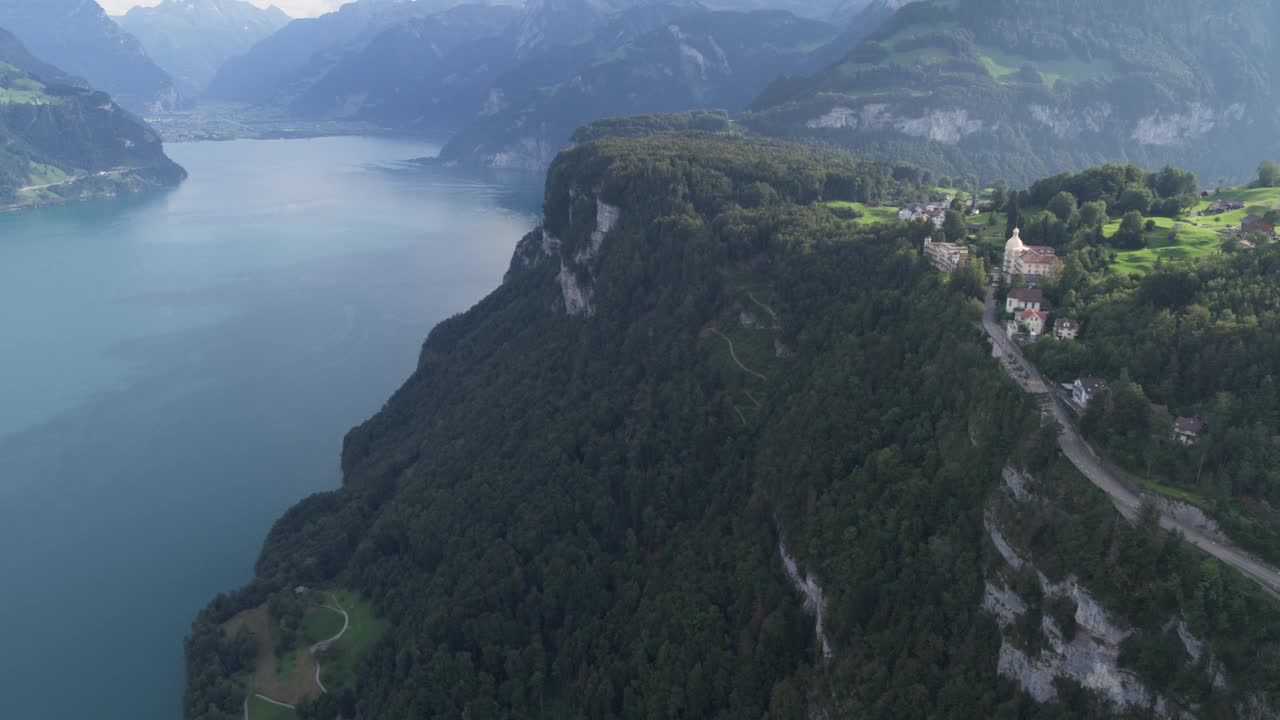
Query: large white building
[
  {"x": 1029, "y": 261},
  {"x": 945, "y": 256}
]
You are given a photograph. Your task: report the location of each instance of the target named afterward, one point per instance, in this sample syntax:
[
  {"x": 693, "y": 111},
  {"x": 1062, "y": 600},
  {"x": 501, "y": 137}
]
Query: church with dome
[{"x": 1030, "y": 261}]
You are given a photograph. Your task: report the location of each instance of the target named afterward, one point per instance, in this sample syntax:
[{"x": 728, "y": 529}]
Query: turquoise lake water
[{"x": 177, "y": 369}]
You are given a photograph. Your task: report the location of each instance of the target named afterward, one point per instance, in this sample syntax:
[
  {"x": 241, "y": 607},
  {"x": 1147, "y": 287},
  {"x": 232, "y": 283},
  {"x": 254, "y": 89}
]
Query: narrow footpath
[
  {"x": 1127, "y": 498},
  {"x": 323, "y": 645},
  {"x": 734, "y": 354}
]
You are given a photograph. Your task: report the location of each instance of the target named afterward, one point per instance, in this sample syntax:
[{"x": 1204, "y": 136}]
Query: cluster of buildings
[
  {"x": 933, "y": 212},
  {"x": 1031, "y": 312}
]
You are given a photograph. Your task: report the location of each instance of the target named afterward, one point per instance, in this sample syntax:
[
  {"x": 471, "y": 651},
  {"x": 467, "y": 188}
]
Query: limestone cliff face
[
  {"x": 1022, "y": 89},
  {"x": 1089, "y": 652},
  {"x": 576, "y": 278}
]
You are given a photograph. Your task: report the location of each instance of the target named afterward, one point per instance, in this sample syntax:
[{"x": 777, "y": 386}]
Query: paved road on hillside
[{"x": 1127, "y": 499}]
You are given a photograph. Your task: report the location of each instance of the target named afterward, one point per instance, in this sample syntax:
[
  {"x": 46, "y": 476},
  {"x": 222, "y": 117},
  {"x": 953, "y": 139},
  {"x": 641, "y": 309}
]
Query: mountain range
[
  {"x": 510, "y": 85},
  {"x": 282, "y": 66},
  {"x": 60, "y": 140},
  {"x": 192, "y": 38},
  {"x": 691, "y": 58},
  {"x": 79, "y": 37},
  {"x": 1006, "y": 89}
]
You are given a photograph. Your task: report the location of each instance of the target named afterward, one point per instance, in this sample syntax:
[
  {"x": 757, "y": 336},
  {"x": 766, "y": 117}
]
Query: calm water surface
[{"x": 177, "y": 369}]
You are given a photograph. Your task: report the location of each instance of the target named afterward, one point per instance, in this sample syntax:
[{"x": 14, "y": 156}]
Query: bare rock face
[
  {"x": 1091, "y": 657},
  {"x": 576, "y": 277},
  {"x": 815, "y": 602}
]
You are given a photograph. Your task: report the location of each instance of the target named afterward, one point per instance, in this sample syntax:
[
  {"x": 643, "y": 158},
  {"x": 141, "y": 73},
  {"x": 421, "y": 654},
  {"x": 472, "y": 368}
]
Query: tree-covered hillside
[
  {"x": 701, "y": 409},
  {"x": 63, "y": 141},
  {"x": 1018, "y": 89}
]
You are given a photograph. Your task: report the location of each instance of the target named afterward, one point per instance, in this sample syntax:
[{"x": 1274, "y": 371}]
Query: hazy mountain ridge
[
  {"x": 78, "y": 37},
  {"x": 425, "y": 74},
  {"x": 192, "y": 38},
  {"x": 63, "y": 141},
  {"x": 1014, "y": 90},
  {"x": 284, "y": 65},
  {"x": 715, "y": 60}
]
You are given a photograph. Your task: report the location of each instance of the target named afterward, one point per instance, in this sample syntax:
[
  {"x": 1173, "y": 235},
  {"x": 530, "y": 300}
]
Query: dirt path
[
  {"x": 777, "y": 324},
  {"x": 325, "y": 644},
  {"x": 260, "y": 696},
  {"x": 733, "y": 353}
]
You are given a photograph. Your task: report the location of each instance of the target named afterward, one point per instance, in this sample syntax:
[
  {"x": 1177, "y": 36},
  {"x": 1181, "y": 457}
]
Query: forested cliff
[{"x": 712, "y": 451}]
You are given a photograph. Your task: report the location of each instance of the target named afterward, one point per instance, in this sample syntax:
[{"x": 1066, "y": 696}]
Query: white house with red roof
[{"x": 1034, "y": 321}]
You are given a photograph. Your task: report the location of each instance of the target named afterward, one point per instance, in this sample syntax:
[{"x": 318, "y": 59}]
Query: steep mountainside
[
  {"x": 697, "y": 60},
  {"x": 60, "y": 140},
  {"x": 192, "y": 38},
  {"x": 436, "y": 74},
  {"x": 711, "y": 451},
  {"x": 1013, "y": 90},
  {"x": 284, "y": 65},
  {"x": 426, "y": 74},
  {"x": 77, "y": 36}
]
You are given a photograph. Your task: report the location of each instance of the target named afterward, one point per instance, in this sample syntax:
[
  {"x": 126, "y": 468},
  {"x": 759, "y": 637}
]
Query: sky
[{"x": 295, "y": 8}]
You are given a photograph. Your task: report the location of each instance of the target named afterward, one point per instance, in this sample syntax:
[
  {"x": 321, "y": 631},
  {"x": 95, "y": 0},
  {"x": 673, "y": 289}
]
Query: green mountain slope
[
  {"x": 1015, "y": 90},
  {"x": 61, "y": 141},
  {"x": 711, "y": 451}
]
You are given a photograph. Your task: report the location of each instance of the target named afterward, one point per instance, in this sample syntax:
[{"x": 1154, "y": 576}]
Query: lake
[{"x": 178, "y": 368}]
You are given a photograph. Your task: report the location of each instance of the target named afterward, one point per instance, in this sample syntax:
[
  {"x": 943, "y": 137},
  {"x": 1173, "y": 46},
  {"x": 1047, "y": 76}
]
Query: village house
[
  {"x": 1029, "y": 261},
  {"x": 1255, "y": 224},
  {"x": 945, "y": 256},
  {"x": 1187, "y": 430},
  {"x": 1084, "y": 390},
  {"x": 1066, "y": 329},
  {"x": 1217, "y": 207},
  {"x": 1024, "y": 299},
  {"x": 1034, "y": 321}
]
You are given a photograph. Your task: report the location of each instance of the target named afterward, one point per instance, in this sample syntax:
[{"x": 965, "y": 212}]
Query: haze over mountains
[
  {"x": 192, "y": 38},
  {"x": 78, "y": 37}
]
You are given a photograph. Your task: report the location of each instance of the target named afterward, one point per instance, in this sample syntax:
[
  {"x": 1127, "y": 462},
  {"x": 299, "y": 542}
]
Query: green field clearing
[
  {"x": 869, "y": 215},
  {"x": 1191, "y": 242},
  {"x": 337, "y": 665},
  {"x": 320, "y": 625},
  {"x": 1001, "y": 64},
  {"x": 260, "y": 709}
]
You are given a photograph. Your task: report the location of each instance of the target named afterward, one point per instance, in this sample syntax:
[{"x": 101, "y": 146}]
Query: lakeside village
[{"x": 1027, "y": 312}]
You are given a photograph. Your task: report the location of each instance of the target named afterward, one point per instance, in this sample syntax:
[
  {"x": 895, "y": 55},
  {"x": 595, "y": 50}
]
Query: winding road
[{"x": 1128, "y": 499}]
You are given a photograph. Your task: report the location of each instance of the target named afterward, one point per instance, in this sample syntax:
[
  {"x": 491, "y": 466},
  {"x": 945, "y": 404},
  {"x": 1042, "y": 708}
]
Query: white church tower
[{"x": 1013, "y": 252}]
